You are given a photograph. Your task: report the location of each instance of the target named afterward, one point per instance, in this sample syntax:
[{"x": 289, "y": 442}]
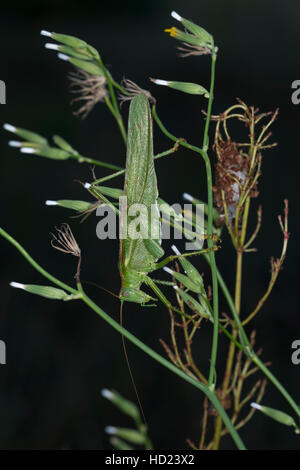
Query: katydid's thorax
[{"x": 131, "y": 283}]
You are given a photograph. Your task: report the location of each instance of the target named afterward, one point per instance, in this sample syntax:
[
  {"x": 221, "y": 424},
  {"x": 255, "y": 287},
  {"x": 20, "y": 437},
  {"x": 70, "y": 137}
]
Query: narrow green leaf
[
  {"x": 119, "y": 444},
  {"x": 189, "y": 269},
  {"x": 185, "y": 280},
  {"x": 88, "y": 66},
  {"x": 29, "y": 136},
  {"x": 72, "y": 204},
  {"x": 122, "y": 403},
  {"x": 69, "y": 40},
  {"x": 43, "y": 291},
  {"x": 130, "y": 435},
  {"x": 193, "y": 304},
  {"x": 63, "y": 144},
  {"x": 50, "y": 152},
  {"x": 277, "y": 415}
]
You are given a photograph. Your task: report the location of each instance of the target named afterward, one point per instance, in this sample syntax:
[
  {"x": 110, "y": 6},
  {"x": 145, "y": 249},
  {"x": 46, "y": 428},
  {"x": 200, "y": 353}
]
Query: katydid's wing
[
  {"x": 140, "y": 179},
  {"x": 140, "y": 185}
]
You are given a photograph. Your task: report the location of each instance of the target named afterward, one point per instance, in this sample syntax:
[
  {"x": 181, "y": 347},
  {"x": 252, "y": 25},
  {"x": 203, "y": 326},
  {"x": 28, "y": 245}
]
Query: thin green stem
[
  {"x": 110, "y": 166},
  {"x": 91, "y": 161},
  {"x": 203, "y": 153},
  {"x": 36, "y": 266},
  {"x": 157, "y": 357},
  {"x": 115, "y": 111},
  {"x": 248, "y": 350},
  {"x": 211, "y": 396},
  {"x": 243, "y": 337},
  {"x": 213, "y": 266}
]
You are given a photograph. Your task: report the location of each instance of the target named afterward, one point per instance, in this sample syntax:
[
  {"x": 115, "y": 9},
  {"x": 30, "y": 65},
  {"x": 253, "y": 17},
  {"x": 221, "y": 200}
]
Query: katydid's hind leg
[
  {"x": 163, "y": 283},
  {"x": 151, "y": 283},
  {"x": 168, "y": 259},
  {"x": 108, "y": 177},
  {"x": 154, "y": 248}
]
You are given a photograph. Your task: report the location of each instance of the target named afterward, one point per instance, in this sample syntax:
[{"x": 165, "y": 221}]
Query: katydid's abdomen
[{"x": 138, "y": 253}]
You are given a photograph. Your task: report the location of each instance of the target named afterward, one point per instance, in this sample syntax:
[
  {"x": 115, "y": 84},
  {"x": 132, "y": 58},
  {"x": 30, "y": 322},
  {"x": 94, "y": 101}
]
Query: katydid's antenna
[
  {"x": 129, "y": 367},
  {"x": 92, "y": 283}
]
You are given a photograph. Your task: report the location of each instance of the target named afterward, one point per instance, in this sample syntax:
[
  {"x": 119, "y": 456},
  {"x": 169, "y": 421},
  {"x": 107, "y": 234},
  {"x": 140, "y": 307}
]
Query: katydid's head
[{"x": 130, "y": 294}]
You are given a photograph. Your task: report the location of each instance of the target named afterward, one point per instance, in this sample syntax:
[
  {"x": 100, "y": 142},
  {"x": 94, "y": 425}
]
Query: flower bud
[
  {"x": 124, "y": 405},
  {"x": 185, "y": 280},
  {"x": 88, "y": 66},
  {"x": 119, "y": 444},
  {"x": 193, "y": 28},
  {"x": 65, "y": 39},
  {"x": 193, "y": 304},
  {"x": 43, "y": 291},
  {"x": 25, "y": 134},
  {"x": 131, "y": 435},
  {"x": 48, "y": 152},
  {"x": 79, "y": 206},
  {"x": 185, "y": 87},
  {"x": 189, "y": 269},
  {"x": 277, "y": 415},
  {"x": 63, "y": 144},
  {"x": 205, "y": 304},
  {"x": 110, "y": 192},
  {"x": 77, "y": 53}
]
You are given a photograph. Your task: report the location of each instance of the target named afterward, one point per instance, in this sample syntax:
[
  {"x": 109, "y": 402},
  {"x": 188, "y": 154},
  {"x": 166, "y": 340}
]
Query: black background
[{"x": 59, "y": 356}]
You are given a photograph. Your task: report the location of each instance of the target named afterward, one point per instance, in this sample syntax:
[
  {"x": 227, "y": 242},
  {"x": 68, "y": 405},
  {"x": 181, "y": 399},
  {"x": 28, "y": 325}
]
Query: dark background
[{"x": 59, "y": 356}]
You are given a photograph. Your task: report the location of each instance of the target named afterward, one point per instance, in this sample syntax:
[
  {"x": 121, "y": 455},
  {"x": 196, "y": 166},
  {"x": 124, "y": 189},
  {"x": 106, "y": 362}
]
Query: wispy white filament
[
  {"x": 50, "y": 203},
  {"x": 187, "y": 197},
  {"x": 110, "y": 430},
  {"x": 18, "y": 285},
  {"x": 160, "y": 82},
  {"x": 27, "y": 150},
  {"x": 256, "y": 406},
  {"x": 15, "y": 143},
  {"x": 176, "y": 16},
  {"x": 46, "y": 33},
  {"x": 168, "y": 270},
  {"x": 9, "y": 127},
  {"x": 175, "y": 249},
  {"x": 63, "y": 56},
  {"x": 50, "y": 45},
  {"x": 107, "y": 393}
]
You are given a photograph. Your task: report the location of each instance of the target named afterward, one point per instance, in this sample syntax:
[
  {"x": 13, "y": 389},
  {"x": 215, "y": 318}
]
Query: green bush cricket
[{"x": 138, "y": 257}]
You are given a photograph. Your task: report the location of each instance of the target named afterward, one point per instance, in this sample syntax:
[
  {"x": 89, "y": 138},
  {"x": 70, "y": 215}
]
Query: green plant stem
[
  {"x": 211, "y": 396},
  {"x": 248, "y": 350},
  {"x": 214, "y": 348},
  {"x": 230, "y": 357},
  {"x": 36, "y": 266},
  {"x": 116, "y": 111},
  {"x": 110, "y": 166},
  {"x": 203, "y": 153},
  {"x": 157, "y": 357},
  {"x": 82, "y": 159},
  {"x": 243, "y": 337}
]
